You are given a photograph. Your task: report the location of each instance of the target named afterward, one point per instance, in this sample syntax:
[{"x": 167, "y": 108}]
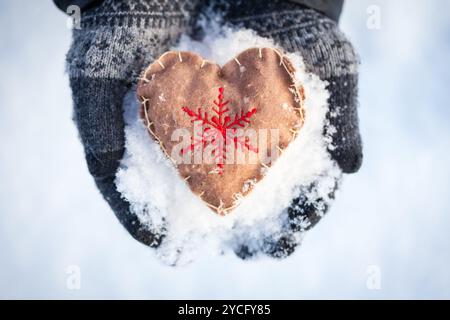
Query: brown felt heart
[{"x": 222, "y": 126}]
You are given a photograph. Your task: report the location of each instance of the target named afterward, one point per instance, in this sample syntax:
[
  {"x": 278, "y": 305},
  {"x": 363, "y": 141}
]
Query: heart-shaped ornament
[{"x": 223, "y": 127}]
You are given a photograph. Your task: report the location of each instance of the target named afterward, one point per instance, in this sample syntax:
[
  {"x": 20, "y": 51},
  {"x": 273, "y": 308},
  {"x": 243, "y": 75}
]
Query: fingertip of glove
[
  {"x": 350, "y": 161},
  {"x": 121, "y": 208},
  {"x": 244, "y": 252},
  {"x": 281, "y": 248}
]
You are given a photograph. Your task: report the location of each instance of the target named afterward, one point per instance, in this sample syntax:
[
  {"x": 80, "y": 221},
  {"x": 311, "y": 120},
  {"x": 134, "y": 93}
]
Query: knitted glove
[
  {"x": 328, "y": 54},
  {"x": 116, "y": 41}
]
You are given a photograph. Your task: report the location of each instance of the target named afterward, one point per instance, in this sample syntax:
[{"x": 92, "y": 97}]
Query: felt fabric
[{"x": 257, "y": 92}]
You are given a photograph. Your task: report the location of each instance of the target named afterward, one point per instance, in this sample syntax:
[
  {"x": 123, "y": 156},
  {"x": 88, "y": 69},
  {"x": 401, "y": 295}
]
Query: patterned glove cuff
[{"x": 141, "y": 14}]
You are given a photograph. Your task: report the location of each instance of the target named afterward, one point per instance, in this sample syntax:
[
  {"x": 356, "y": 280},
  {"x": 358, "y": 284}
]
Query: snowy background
[{"x": 391, "y": 219}]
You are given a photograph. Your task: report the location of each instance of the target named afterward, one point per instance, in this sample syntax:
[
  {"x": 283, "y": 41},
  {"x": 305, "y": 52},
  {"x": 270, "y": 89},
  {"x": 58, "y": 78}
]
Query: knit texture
[
  {"x": 328, "y": 54},
  {"x": 116, "y": 41}
]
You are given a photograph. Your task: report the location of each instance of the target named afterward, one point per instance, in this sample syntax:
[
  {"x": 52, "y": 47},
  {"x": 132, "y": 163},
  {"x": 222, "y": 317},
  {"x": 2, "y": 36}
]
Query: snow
[
  {"x": 393, "y": 215},
  {"x": 152, "y": 185}
]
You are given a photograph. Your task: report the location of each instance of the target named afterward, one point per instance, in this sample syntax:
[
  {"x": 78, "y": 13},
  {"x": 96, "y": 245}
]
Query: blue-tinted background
[{"x": 391, "y": 219}]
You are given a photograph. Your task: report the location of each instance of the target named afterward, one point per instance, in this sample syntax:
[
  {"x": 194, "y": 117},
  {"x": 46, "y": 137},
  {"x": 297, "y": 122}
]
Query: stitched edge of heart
[{"x": 296, "y": 89}]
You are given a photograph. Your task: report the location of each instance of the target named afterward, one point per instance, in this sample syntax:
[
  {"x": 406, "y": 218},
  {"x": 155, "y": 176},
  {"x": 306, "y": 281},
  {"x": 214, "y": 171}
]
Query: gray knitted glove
[
  {"x": 328, "y": 54},
  {"x": 116, "y": 41}
]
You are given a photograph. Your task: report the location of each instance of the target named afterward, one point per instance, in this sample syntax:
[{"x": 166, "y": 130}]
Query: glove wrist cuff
[{"x": 154, "y": 20}]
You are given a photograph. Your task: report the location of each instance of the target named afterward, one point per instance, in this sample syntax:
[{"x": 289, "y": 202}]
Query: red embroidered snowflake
[{"x": 219, "y": 131}]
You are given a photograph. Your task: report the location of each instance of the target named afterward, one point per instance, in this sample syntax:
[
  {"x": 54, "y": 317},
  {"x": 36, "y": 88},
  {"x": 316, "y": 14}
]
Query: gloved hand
[
  {"x": 328, "y": 54},
  {"x": 116, "y": 41}
]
